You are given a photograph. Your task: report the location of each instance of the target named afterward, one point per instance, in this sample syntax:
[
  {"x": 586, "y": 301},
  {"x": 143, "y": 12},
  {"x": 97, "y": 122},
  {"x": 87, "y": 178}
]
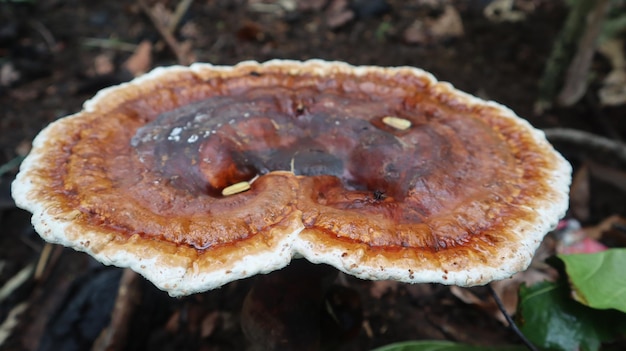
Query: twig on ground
[
  {"x": 54, "y": 256},
  {"x": 43, "y": 260},
  {"x": 171, "y": 42},
  {"x": 577, "y": 75},
  {"x": 562, "y": 54},
  {"x": 181, "y": 10},
  {"x": 11, "y": 322},
  {"x": 128, "y": 295},
  {"x": 589, "y": 140},
  {"x": 16, "y": 281},
  {"x": 512, "y": 324}
]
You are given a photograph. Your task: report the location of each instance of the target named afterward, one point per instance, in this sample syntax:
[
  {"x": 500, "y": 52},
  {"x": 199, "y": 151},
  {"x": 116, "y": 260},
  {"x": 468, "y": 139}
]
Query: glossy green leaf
[
  {"x": 443, "y": 346},
  {"x": 598, "y": 279},
  {"x": 553, "y": 321}
]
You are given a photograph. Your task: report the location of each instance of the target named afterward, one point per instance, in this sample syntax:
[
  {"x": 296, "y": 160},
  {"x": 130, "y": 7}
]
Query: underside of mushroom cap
[{"x": 384, "y": 173}]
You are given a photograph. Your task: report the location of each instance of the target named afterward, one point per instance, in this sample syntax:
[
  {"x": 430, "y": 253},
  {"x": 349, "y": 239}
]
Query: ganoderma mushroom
[{"x": 198, "y": 176}]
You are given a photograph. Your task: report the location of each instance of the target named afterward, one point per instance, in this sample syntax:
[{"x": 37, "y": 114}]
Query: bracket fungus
[{"x": 198, "y": 176}]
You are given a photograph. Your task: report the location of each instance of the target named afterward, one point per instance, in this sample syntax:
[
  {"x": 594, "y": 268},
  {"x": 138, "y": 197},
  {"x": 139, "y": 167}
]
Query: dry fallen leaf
[
  {"x": 607, "y": 225},
  {"x": 434, "y": 30},
  {"x": 103, "y": 64},
  {"x": 416, "y": 33},
  {"x": 503, "y": 11},
  {"x": 448, "y": 25},
  {"x": 507, "y": 289},
  {"x": 613, "y": 91},
  {"x": 572, "y": 238},
  {"x": 338, "y": 13},
  {"x": 141, "y": 60}
]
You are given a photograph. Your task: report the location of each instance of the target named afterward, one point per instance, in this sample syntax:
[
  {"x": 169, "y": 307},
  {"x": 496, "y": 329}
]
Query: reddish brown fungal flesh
[
  {"x": 339, "y": 142},
  {"x": 152, "y": 163}
]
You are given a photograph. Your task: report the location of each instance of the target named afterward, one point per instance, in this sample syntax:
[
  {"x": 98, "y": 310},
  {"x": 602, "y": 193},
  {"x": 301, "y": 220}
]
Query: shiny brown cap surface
[{"x": 198, "y": 176}]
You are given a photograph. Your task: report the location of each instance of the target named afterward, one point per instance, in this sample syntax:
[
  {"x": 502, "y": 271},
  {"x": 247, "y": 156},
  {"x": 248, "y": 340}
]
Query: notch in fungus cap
[{"x": 198, "y": 176}]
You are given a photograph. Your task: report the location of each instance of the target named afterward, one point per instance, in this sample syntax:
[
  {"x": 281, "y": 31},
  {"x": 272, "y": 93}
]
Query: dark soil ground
[{"x": 62, "y": 52}]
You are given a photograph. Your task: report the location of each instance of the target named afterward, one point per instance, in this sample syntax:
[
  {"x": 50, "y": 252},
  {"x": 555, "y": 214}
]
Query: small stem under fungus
[{"x": 512, "y": 324}]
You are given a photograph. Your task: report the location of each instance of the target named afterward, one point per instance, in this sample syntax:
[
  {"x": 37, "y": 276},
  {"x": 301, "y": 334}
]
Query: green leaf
[
  {"x": 553, "y": 321},
  {"x": 442, "y": 346},
  {"x": 598, "y": 279}
]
